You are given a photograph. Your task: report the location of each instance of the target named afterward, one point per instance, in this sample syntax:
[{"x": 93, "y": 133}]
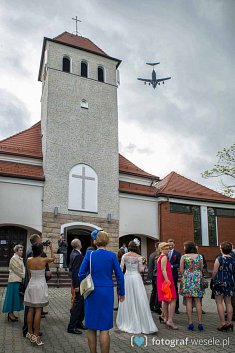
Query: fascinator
[
  {"x": 95, "y": 233},
  {"x": 136, "y": 241}
]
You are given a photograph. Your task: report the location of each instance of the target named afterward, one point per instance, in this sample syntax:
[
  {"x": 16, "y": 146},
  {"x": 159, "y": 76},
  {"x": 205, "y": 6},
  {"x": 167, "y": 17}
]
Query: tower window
[
  {"x": 84, "y": 104},
  {"x": 84, "y": 69},
  {"x": 100, "y": 74},
  {"x": 66, "y": 64}
]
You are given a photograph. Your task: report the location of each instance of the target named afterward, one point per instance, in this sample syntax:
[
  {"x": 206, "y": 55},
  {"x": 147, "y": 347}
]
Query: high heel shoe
[
  {"x": 171, "y": 326},
  {"x": 200, "y": 327},
  {"x": 29, "y": 335},
  {"x": 37, "y": 340},
  {"x": 10, "y": 318},
  {"x": 223, "y": 328},
  {"x": 229, "y": 326},
  {"x": 190, "y": 327}
]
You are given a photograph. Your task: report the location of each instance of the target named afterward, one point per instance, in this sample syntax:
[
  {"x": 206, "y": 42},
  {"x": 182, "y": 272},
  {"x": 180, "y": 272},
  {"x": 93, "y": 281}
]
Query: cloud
[
  {"x": 133, "y": 148},
  {"x": 179, "y": 126},
  {"x": 14, "y": 116}
]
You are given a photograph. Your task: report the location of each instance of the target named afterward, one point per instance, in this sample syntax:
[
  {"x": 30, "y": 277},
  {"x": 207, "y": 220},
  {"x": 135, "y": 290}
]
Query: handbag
[
  {"x": 21, "y": 289},
  {"x": 204, "y": 283},
  {"x": 219, "y": 284},
  {"x": 87, "y": 284}
]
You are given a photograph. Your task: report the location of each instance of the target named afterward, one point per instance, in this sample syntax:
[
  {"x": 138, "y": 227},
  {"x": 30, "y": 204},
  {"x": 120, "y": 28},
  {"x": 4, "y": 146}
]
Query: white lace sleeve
[
  {"x": 122, "y": 262},
  {"x": 141, "y": 266}
]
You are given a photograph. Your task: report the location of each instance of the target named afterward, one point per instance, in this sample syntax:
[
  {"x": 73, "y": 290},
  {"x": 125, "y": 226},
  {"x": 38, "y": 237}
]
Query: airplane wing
[
  {"x": 163, "y": 79},
  {"x": 144, "y": 79}
]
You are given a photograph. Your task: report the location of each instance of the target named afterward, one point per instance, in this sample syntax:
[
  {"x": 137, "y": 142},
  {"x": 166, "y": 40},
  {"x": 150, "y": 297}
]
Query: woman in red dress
[{"x": 165, "y": 286}]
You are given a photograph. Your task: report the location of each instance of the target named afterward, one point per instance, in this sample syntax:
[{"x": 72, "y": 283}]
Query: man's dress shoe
[{"x": 75, "y": 331}]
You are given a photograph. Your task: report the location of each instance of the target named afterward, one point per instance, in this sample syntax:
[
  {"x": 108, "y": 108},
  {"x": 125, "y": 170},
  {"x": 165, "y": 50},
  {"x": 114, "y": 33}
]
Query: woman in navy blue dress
[
  {"x": 99, "y": 304},
  {"x": 223, "y": 284}
]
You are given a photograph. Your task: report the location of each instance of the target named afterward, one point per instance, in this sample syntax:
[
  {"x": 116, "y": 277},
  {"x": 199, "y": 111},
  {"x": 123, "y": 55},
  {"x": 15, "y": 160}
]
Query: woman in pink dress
[{"x": 165, "y": 286}]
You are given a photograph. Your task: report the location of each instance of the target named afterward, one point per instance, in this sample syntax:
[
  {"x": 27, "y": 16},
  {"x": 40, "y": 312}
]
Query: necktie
[{"x": 169, "y": 255}]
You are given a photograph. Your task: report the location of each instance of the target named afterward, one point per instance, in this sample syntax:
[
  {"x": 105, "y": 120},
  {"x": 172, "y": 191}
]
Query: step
[{"x": 64, "y": 279}]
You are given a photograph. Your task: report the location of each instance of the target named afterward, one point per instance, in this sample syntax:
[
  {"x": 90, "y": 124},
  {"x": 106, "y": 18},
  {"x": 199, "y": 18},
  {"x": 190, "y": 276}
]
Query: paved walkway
[{"x": 57, "y": 340}]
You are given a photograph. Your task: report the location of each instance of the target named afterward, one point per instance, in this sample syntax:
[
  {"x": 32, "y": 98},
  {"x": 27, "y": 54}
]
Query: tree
[{"x": 224, "y": 167}]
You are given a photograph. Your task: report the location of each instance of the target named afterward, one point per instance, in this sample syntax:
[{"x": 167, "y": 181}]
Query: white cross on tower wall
[{"x": 83, "y": 189}]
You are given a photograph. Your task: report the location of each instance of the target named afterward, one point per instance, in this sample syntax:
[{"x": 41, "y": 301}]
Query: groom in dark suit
[
  {"x": 77, "y": 310},
  {"x": 174, "y": 258}
]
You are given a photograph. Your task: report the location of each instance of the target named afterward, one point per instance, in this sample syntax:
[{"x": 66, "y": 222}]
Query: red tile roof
[
  {"x": 26, "y": 143},
  {"x": 20, "y": 170},
  {"x": 137, "y": 189},
  {"x": 177, "y": 185},
  {"x": 79, "y": 42},
  {"x": 127, "y": 167},
  {"x": 75, "y": 41}
]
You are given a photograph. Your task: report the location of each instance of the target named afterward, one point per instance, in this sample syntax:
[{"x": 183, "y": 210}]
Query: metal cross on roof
[{"x": 76, "y": 19}]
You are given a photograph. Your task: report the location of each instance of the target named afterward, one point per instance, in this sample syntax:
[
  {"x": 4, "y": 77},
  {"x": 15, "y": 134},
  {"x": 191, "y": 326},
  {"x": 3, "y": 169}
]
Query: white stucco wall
[
  {"x": 138, "y": 216},
  {"x": 21, "y": 203}
]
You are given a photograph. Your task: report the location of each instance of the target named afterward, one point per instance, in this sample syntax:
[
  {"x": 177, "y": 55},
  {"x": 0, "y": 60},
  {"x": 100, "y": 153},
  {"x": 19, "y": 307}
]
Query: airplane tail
[{"x": 152, "y": 64}]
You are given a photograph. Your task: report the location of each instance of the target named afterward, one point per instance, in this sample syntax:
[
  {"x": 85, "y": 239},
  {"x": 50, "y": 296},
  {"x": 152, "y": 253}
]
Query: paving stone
[{"x": 57, "y": 340}]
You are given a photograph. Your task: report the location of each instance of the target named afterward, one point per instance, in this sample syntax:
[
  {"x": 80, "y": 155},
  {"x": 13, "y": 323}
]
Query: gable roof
[
  {"x": 26, "y": 143},
  {"x": 177, "y": 185},
  {"x": 127, "y": 167}
]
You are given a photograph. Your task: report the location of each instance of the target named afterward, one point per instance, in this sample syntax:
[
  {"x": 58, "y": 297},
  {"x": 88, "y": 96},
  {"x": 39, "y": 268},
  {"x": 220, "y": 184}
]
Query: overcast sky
[{"x": 179, "y": 126}]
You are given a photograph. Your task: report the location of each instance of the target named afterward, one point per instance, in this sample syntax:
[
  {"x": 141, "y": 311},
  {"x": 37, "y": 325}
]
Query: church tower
[{"x": 79, "y": 122}]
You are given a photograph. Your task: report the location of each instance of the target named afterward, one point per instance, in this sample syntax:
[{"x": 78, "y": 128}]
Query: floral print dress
[{"x": 190, "y": 286}]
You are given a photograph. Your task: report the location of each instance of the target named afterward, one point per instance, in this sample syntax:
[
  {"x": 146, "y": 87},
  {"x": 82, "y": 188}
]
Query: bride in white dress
[{"x": 134, "y": 315}]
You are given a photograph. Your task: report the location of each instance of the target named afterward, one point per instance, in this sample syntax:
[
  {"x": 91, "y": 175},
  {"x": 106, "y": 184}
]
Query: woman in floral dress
[{"x": 191, "y": 265}]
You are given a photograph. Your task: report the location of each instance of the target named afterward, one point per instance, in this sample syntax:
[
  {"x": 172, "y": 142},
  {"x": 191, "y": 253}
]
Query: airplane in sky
[{"x": 154, "y": 81}]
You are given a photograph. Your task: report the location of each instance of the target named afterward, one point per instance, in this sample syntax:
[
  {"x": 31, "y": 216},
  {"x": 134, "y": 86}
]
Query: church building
[{"x": 64, "y": 175}]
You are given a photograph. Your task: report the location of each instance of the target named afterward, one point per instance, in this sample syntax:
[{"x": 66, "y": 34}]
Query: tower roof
[
  {"x": 77, "y": 42},
  {"x": 176, "y": 185}
]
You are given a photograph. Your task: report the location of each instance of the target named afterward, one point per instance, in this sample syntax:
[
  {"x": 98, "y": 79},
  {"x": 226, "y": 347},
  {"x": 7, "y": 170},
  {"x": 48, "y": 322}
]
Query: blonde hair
[
  {"x": 102, "y": 239},
  {"x": 162, "y": 246}
]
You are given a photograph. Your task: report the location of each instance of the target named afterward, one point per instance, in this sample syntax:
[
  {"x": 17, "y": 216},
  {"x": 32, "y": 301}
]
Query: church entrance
[
  {"x": 9, "y": 237},
  {"x": 127, "y": 238},
  {"x": 83, "y": 234}
]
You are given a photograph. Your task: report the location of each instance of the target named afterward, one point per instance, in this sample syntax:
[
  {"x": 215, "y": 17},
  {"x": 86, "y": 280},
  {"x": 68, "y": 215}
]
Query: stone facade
[{"x": 52, "y": 227}]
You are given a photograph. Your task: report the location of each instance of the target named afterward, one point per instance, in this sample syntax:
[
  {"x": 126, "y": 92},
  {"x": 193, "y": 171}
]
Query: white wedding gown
[{"x": 134, "y": 315}]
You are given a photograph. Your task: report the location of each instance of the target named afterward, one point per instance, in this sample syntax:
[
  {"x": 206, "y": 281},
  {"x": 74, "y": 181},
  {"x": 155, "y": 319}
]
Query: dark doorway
[
  {"x": 9, "y": 237},
  {"x": 127, "y": 238},
  {"x": 83, "y": 234}
]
